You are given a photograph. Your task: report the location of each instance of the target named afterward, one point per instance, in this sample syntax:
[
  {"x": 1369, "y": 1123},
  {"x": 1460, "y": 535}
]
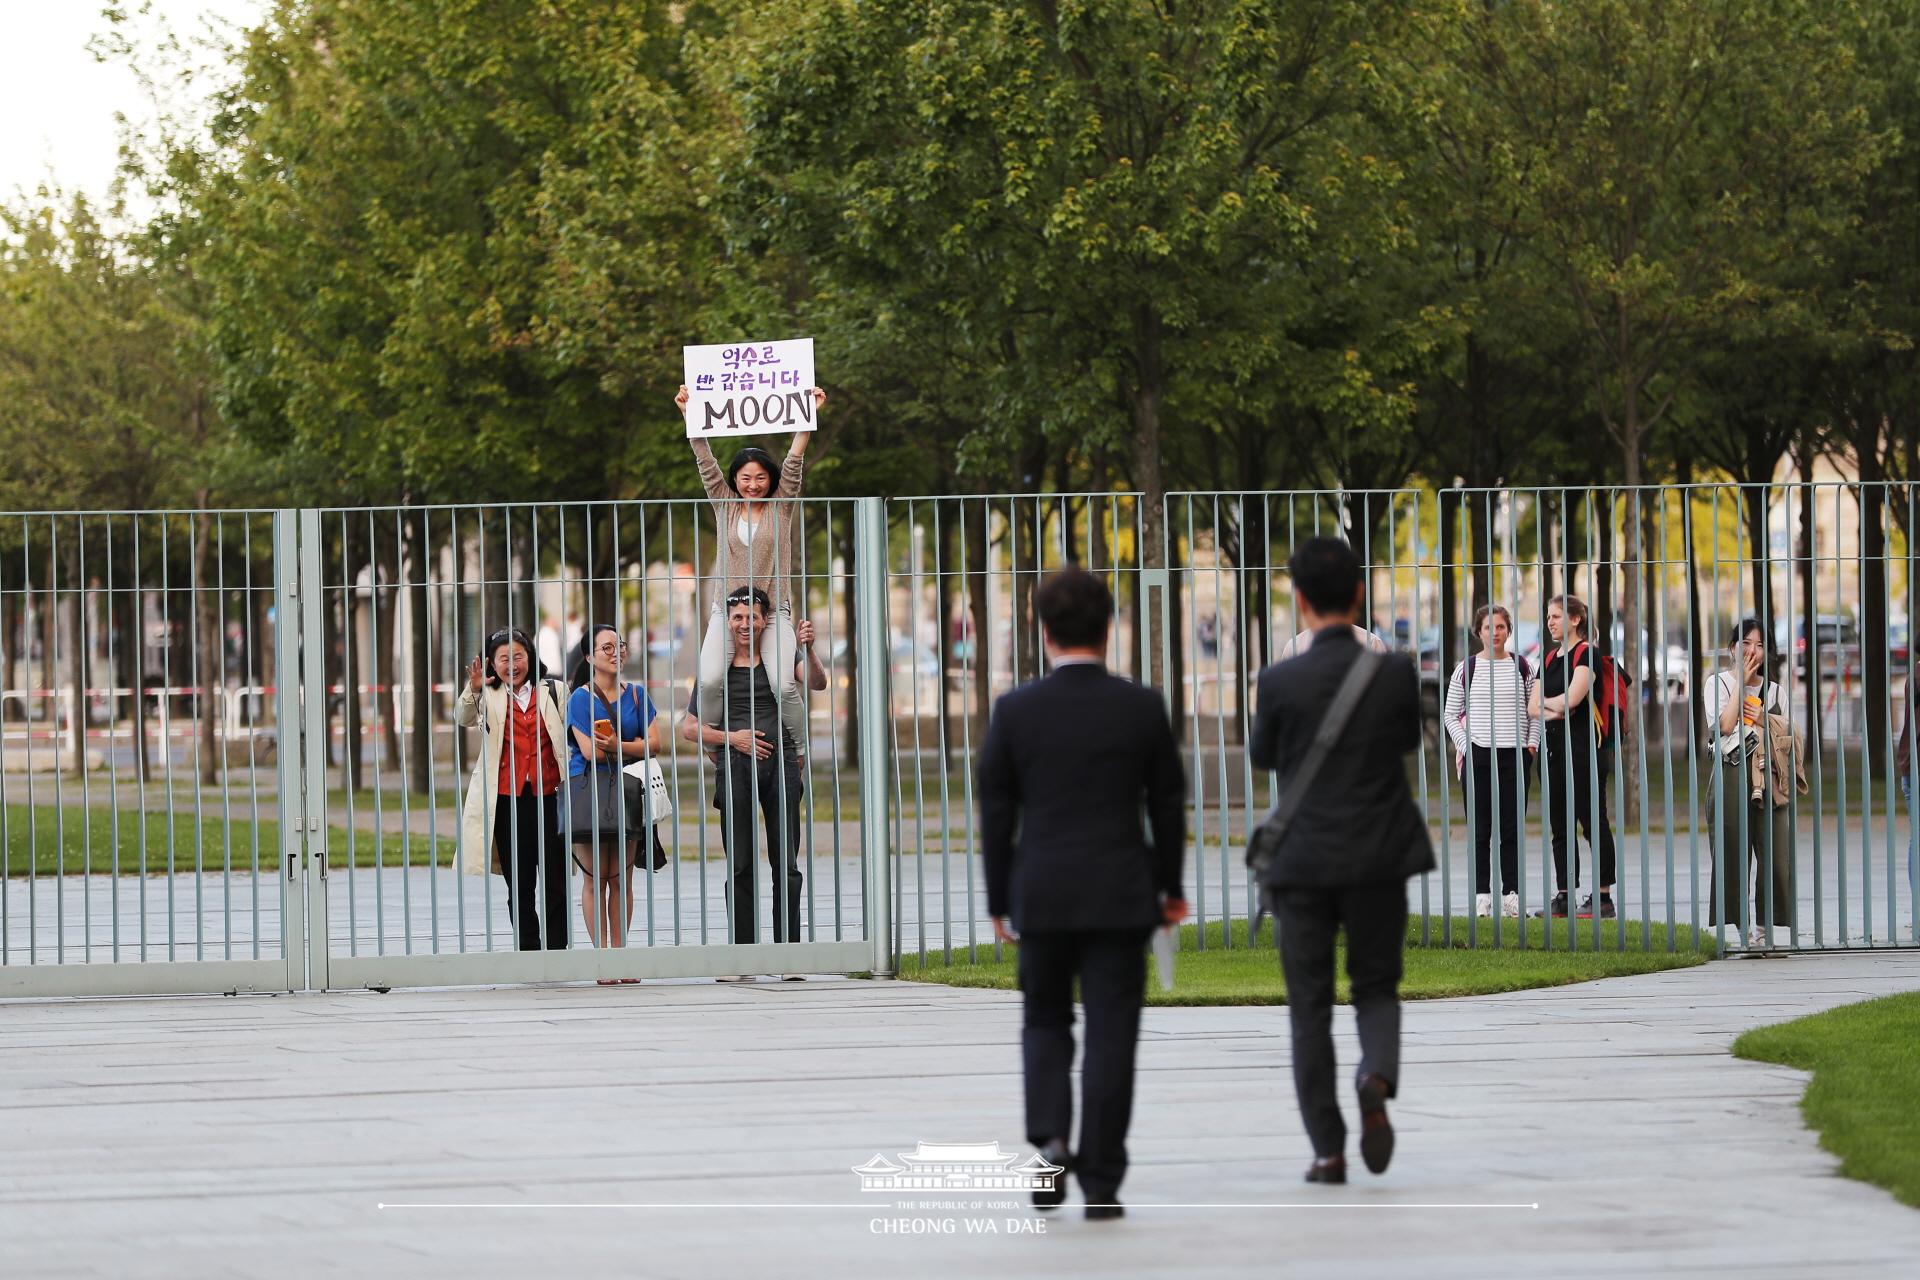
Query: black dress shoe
[
  {"x": 1053, "y": 1197},
  {"x": 1331, "y": 1170},
  {"x": 1376, "y": 1132},
  {"x": 1103, "y": 1212}
]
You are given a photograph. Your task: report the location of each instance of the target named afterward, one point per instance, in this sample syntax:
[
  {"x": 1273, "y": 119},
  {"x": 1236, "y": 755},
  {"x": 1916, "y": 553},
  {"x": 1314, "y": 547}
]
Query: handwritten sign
[{"x": 750, "y": 388}]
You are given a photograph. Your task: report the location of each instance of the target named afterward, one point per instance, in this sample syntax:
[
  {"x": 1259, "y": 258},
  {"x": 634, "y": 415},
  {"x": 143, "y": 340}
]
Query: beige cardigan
[
  {"x": 767, "y": 563},
  {"x": 488, "y": 709}
]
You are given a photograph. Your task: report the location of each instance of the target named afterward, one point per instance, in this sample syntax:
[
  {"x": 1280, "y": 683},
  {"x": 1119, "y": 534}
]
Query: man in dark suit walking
[
  {"x": 1344, "y": 860},
  {"x": 1066, "y": 767}
]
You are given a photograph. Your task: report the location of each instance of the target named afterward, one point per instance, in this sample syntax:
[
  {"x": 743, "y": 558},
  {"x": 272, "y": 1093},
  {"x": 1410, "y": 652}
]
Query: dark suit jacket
[
  {"x": 1358, "y": 824},
  {"x": 1067, "y": 762}
]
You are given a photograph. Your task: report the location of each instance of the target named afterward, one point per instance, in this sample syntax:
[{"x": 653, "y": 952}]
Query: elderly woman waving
[{"x": 511, "y": 820}]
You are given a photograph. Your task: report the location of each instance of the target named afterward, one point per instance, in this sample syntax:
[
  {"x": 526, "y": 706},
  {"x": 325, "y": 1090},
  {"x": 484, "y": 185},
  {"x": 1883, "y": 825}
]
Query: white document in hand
[{"x": 1163, "y": 956}]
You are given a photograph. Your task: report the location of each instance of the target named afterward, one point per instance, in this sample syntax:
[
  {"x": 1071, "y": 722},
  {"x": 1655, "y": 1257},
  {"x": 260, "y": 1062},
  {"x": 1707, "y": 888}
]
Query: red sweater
[{"x": 526, "y": 753}]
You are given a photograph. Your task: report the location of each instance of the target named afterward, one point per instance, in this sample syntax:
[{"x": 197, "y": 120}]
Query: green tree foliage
[
  {"x": 456, "y": 248},
  {"x": 1129, "y": 219},
  {"x": 91, "y": 395},
  {"x": 1651, "y": 144}
]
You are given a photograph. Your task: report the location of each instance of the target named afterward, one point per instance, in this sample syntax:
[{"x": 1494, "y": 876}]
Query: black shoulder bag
[
  {"x": 599, "y": 798},
  {"x": 1263, "y": 845}
]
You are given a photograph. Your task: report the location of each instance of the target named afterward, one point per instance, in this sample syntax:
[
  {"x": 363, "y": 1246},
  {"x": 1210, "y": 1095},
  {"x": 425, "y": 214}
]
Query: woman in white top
[
  {"x": 1746, "y": 826},
  {"x": 1487, "y": 717}
]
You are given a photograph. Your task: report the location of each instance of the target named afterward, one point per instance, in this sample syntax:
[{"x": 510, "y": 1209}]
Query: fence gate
[
  {"x": 149, "y": 784},
  {"x": 395, "y": 602}
]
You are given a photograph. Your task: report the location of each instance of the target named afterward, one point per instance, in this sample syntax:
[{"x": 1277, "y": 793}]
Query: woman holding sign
[{"x": 755, "y": 550}]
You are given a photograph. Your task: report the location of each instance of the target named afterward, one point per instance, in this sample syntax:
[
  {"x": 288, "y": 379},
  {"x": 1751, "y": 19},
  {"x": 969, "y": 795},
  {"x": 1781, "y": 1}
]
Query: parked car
[{"x": 1837, "y": 634}]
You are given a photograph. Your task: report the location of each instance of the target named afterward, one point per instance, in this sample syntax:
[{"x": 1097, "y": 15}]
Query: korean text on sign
[{"x": 750, "y": 388}]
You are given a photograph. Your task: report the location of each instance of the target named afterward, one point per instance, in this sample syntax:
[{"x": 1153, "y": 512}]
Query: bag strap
[{"x": 1332, "y": 724}]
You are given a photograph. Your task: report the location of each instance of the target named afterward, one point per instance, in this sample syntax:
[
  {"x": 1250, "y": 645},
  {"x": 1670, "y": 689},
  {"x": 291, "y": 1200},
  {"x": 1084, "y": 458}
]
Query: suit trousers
[
  {"x": 1496, "y": 779},
  {"x": 740, "y": 788},
  {"x": 1589, "y": 790},
  {"x": 1112, "y": 967},
  {"x": 527, "y": 840},
  {"x": 1375, "y": 918}
]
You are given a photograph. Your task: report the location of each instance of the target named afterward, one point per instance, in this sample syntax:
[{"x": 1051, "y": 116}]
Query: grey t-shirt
[{"x": 751, "y": 704}]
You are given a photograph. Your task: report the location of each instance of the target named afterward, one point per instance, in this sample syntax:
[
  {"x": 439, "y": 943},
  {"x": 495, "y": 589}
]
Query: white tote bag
[{"x": 654, "y": 779}]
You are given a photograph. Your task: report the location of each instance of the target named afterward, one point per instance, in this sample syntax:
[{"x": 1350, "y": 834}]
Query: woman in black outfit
[{"x": 1575, "y": 773}]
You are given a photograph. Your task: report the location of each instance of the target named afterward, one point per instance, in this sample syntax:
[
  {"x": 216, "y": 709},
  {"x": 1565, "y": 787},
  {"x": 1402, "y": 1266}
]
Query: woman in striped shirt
[{"x": 1486, "y": 716}]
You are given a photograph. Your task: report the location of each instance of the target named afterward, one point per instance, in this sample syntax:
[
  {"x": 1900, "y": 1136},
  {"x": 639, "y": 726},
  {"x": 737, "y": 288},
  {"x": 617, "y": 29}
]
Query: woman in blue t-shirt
[{"x": 611, "y": 722}]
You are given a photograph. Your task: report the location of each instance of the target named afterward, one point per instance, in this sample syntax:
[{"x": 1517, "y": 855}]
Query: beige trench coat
[{"x": 488, "y": 709}]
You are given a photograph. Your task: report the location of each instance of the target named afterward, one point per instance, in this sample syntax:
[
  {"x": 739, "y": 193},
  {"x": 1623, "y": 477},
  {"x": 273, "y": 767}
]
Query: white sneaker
[
  {"x": 1757, "y": 939},
  {"x": 1483, "y": 905},
  {"x": 1510, "y": 906}
]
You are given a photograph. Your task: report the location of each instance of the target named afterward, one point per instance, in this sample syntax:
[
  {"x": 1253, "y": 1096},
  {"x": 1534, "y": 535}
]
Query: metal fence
[
  {"x": 960, "y": 579},
  {"x": 1694, "y": 560},
  {"x": 140, "y": 775},
  {"x": 280, "y": 805},
  {"x": 229, "y": 759}
]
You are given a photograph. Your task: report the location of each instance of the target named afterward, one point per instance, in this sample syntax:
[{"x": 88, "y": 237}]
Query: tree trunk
[
  {"x": 1695, "y": 658},
  {"x": 1604, "y": 597},
  {"x": 352, "y": 758},
  {"x": 49, "y": 645},
  {"x": 1099, "y": 512},
  {"x": 1480, "y": 525},
  {"x": 210, "y": 676},
  {"x": 386, "y": 572},
  {"x": 10, "y": 646},
  {"x": 943, "y": 607},
  {"x": 1655, "y": 594},
  {"x": 454, "y": 623},
  {"x": 602, "y": 585},
  {"x": 1755, "y": 496},
  {"x": 1448, "y": 536},
  {"x": 851, "y": 752},
  {"x": 1024, "y": 531},
  {"x": 978, "y": 584},
  {"x": 496, "y": 569},
  {"x": 262, "y": 656},
  {"x": 416, "y": 566},
  {"x": 1544, "y": 541},
  {"x": 1148, "y": 390},
  {"x": 1251, "y": 632},
  {"x": 1809, "y": 599},
  {"x": 77, "y": 668},
  {"x": 1873, "y": 593},
  {"x": 1479, "y": 471},
  {"x": 1176, "y": 670},
  {"x": 1633, "y": 575}
]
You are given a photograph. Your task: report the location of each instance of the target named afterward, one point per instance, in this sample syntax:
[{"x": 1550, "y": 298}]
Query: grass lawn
[
  {"x": 1866, "y": 1077},
  {"x": 78, "y": 840},
  {"x": 1220, "y": 976}
]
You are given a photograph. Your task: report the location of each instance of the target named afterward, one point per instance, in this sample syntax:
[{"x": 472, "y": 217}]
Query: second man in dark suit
[
  {"x": 1344, "y": 861},
  {"x": 1068, "y": 764}
]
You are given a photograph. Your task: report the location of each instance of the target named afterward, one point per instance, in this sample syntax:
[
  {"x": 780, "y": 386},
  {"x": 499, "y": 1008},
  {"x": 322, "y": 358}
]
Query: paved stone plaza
[{"x": 683, "y": 1129}]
